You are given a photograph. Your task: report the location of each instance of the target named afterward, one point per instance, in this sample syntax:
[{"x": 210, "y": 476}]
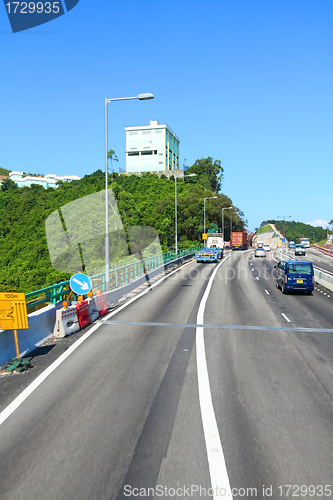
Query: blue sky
[{"x": 248, "y": 82}]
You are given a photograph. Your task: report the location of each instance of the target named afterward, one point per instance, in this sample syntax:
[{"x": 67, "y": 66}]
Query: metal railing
[{"x": 119, "y": 276}]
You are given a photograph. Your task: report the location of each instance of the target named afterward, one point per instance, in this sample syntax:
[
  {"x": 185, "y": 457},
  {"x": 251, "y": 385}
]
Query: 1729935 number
[{"x": 32, "y": 7}]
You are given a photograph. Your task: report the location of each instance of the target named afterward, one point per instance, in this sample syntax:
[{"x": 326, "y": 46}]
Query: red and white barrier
[
  {"x": 101, "y": 304},
  {"x": 83, "y": 313},
  {"x": 66, "y": 322}
]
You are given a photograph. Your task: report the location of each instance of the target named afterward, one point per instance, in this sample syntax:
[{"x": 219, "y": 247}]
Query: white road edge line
[
  {"x": 216, "y": 462},
  {"x": 38, "y": 381},
  {"x": 285, "y": 317}
]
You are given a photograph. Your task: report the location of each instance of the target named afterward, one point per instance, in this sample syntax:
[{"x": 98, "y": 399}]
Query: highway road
[
  {"x": 131, "y": 413},
  {"x": 318, "y": 259}
]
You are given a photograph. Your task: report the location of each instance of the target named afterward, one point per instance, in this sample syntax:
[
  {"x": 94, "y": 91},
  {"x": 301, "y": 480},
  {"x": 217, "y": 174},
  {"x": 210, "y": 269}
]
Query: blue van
[{"x": 295, "y": 275}]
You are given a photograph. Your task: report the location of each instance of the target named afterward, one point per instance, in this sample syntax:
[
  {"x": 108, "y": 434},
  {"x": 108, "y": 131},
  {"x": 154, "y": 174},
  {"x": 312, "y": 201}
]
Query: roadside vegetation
[{"x": 142, "y": 201}]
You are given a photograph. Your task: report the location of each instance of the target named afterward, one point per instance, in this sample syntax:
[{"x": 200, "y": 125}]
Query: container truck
[{"x": 239, "y": 240}]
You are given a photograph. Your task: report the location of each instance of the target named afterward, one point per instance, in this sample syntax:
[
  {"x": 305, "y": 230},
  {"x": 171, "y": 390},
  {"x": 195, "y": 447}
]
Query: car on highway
[
  {"x": 299, "y": 249},
  {"x": 291, "y": 244},
  {"x": 295, "y": 275},
  {"x": 267, "y": 248},
  {"x": 260, "y": 252}
]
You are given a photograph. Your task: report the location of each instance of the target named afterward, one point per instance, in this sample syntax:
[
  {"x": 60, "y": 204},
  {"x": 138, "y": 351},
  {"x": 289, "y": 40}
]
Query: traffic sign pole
[{"x": 16, "y": 345}]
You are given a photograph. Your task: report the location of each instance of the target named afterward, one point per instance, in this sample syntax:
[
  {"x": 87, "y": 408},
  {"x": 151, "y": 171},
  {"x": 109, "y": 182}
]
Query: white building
[
  {"x": 151, "y": 148},
  {"x": 47, "y": 181}
]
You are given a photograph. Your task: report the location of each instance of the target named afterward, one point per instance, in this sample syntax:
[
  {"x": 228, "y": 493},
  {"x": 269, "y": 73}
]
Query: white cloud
[{"x": 319, "y": 223}]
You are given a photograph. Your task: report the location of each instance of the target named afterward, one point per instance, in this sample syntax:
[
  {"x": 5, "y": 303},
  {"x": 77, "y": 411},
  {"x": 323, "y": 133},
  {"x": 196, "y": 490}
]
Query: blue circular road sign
[{"x": 80, "y": 284}]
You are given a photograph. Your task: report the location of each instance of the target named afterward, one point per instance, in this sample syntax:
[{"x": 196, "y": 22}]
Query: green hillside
[
  {"x": 3, "y": 171},
  {"x": 295, "y": 230},
  {"x": 25, "y": 264}
]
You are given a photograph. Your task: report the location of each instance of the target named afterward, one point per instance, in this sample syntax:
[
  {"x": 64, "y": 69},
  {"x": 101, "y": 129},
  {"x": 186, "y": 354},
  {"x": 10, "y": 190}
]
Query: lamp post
[
  {"x": 225, "y": 208},
  {"x": 141, "y": 97},
  {"x": 176, "y": 235},
  {"x": 284, "y": 219},
  {"x": 314, "y": 236},
  {"x": 210, "y": 198}
]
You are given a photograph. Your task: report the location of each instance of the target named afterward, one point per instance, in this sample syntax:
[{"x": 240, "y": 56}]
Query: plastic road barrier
[
  {"x": 83, "y": 313},
  {"x": 101, "y": 304},
  {"x": 93, "y": 310},
  {"x": 66, "y": 322}
]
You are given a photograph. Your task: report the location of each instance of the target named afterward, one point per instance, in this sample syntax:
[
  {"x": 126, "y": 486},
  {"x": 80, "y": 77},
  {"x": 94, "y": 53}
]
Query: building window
[
  {"x": 146, "y": 132},
  {"x": 133, "y": 133},
  {"x": 150, "y": 152}
]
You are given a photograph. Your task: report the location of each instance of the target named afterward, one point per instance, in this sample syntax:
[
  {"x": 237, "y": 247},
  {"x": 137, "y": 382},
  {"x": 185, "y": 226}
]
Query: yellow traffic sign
[
  {"x": 204, "y": 236},
  {"x": 13, "y": 311}
]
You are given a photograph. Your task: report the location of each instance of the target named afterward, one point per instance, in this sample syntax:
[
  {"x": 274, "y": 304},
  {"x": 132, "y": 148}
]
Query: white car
[
  {"x": 267, "y": 248},
  {"x": 260, "y": 252}
]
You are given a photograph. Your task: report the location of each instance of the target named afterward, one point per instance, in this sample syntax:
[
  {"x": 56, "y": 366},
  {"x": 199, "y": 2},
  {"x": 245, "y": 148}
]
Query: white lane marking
[
  {"x": 267, "y": 292},
  {"x": 38, "y": 381},
  {"x": 257, "y": 278},
  {"x": 217, "y": 467},
  {"x": 285, "y": 317}
]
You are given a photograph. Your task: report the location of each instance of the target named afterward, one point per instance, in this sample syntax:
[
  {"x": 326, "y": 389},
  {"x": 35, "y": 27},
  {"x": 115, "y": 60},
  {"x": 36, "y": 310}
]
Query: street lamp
[
  {"x": 225, "y": 208},
  {"x": 284, "y": 219},
  {"x": 141, "y": 97},
  {"x": 176, "y": 236},
  {"x": 210, "y": 198},
  {"x": 314, "y": 236}
]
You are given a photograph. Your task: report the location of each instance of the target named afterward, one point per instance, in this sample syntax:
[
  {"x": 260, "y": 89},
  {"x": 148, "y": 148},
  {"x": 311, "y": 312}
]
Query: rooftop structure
[{"x": 151, "y": 148}]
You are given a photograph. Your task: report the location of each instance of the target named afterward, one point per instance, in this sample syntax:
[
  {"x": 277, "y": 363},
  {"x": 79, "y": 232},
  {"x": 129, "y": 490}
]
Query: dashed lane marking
[{"x": 286, "y": 318}]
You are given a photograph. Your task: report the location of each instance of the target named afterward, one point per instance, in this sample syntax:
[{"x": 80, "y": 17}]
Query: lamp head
[{"x": 145, "y": 96}]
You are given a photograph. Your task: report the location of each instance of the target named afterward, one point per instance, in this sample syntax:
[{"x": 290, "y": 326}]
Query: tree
[
  {"x": 8, "y": 184},
  {"x": 208, "y": 174},
  {"x": 113, "y": 157}
]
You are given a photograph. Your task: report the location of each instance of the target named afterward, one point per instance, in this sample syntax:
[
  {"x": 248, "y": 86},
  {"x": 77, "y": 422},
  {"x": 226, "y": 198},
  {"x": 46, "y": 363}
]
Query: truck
[
  {"x": 305, "y": 242},
  {"x": 215, "y": 240},
  {"x": 209, "y": 255},
  {"x": 239, "y": 240}
]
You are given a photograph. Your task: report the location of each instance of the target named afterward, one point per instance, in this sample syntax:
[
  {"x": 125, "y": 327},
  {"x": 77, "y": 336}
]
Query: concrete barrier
[{"x": 41, "y": 324}]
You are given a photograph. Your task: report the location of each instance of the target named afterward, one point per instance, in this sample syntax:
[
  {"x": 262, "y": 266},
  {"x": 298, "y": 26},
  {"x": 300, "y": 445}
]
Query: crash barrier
[
  {"x": 66, "y": 322},
  {"x": 42, "y": 322},
  {"x": 322, "y": 277}
]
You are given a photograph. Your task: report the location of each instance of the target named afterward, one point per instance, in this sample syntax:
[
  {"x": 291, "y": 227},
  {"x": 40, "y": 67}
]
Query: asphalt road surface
[
  {"x": 126, "y": 414},
  {"x": 317, "y": 258}
]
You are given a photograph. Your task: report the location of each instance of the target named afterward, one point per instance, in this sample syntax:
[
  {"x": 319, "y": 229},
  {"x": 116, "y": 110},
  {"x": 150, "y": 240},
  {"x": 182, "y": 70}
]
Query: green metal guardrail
[{"x": 119, "y": 276}]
